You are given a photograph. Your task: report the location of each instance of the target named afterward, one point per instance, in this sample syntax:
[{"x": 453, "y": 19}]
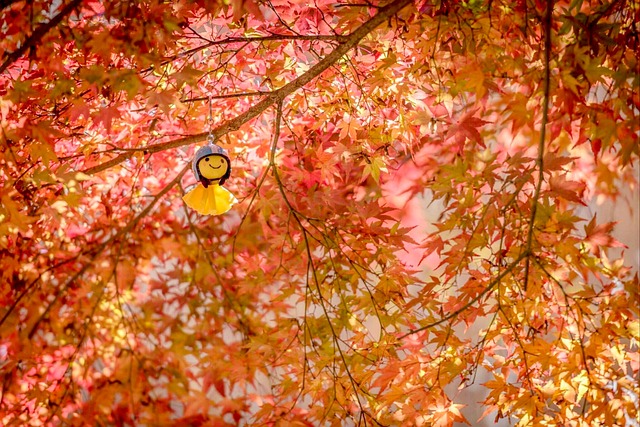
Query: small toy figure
[{"x": 212, "y": 167}]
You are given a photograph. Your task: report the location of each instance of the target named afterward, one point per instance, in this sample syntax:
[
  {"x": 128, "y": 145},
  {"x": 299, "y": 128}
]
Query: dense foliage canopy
[{"x": 322, "y": 298}]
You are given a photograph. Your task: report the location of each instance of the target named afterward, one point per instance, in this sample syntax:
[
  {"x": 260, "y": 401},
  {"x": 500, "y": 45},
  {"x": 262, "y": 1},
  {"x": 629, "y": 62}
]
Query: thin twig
[
  {"x": 101, "y": 247},
  {"x": 276, "y": 96},
  {"x": 275, "y": 37},
  {"x": 486, "y": 290},
  {"x": 225, "y": 96},
  {"x": 310, "y": 264},
  {"x": 38, "y": 34},
  {"x": 543, "y": 126}
]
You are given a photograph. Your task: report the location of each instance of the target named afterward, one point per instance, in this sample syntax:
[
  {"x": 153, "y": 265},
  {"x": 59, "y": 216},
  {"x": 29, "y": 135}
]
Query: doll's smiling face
[{"x": 213, "y": 166}]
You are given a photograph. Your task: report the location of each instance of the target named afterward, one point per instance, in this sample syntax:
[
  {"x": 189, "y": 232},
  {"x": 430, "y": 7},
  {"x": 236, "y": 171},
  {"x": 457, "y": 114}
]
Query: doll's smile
[
  {"x": 210, "y": 161},
  {"x": 216, "y": 166}
]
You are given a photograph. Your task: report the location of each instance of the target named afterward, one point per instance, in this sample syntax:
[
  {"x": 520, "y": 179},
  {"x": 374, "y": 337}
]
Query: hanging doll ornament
[{"x": 212, "y": 167}]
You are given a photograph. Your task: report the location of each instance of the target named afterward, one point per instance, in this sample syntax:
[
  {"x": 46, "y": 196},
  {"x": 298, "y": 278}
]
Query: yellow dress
[{"x": 213, "y": 200}]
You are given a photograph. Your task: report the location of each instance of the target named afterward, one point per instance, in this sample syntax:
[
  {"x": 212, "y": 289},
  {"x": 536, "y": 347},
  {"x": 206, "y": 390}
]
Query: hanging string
[{"x": 211, "y": 138}]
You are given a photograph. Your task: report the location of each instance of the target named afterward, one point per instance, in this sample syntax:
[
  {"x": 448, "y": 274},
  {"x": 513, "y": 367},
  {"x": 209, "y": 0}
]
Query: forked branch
[
  {"x": 276, "y": 96},
  {"x": 102, "y": 246},
  {"x": 527, "y": 253}
]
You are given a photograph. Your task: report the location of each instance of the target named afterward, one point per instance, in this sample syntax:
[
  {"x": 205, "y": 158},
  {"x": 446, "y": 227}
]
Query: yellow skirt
[{"x": 213, "y": 200}]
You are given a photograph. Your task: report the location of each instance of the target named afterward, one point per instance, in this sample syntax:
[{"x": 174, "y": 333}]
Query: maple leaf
[
  {"x": 79, "y": 109},
  {"x": 164, "y": 99},
  {"x": 466, "y": 127},
  {"x": 240, "y": 6},
  {"x": 105, "y": 116},
  {"x": 568, "y": 190},
  {"x": 600, "y": 236}
]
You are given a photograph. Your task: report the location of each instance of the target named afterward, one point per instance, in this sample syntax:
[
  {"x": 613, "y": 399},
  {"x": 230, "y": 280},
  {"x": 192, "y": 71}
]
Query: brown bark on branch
[
  {"x": 275, "y": 37},
  {"x": 349, "y": 42},
  {"x": 543, "y": 128},
  {"x": 37, "y": 35},
  {"x": 492, "y": 284},
  {"x": 101, "y": 247}
]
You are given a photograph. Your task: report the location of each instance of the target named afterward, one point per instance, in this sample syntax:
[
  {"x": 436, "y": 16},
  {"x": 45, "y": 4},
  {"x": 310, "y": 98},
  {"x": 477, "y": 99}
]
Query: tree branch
[
  {"x": 543, "y": 128},
  {"x": 350, "y": 42},
  {"x": 275, "y": 37},
  {"x": 40, "y": 32},
  {"x": 102, "y": 246},
  {"x": 225, "y": 96},
  {"x": 33, "y": 284},
  {"x": 490, "y": 286},
  {"x": 310, "y": 264}
]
